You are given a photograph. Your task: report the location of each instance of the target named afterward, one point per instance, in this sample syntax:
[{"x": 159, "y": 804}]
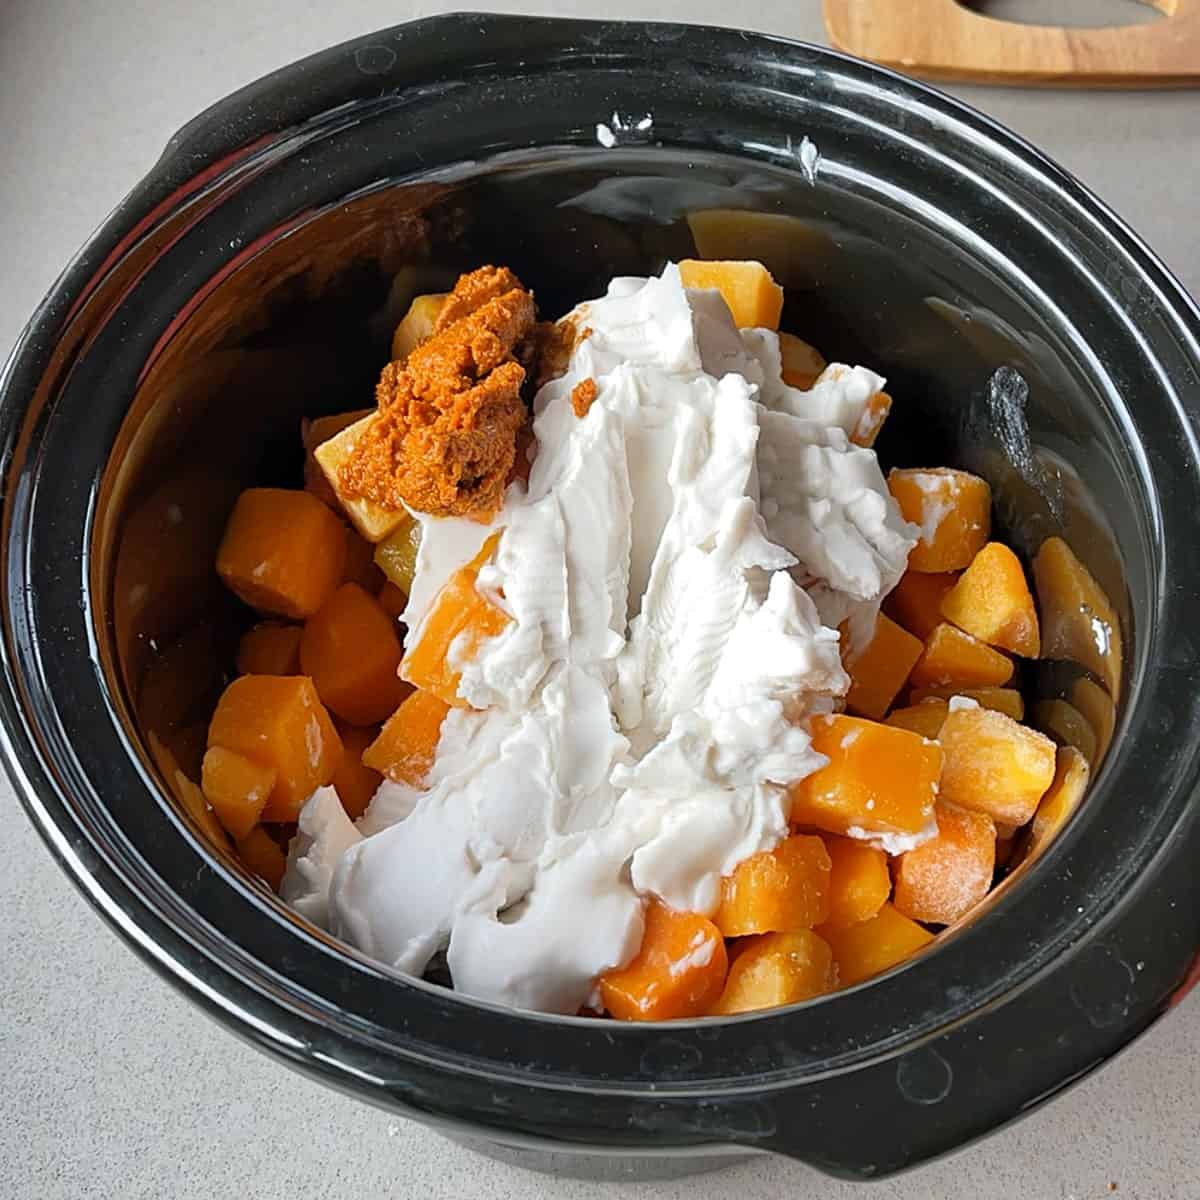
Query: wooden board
[{"x": 939, "y": 39}]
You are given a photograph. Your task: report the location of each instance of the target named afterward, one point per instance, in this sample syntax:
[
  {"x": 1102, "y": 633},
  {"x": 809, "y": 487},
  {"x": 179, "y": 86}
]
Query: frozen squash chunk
[
  {"x": 372, "y": 520},
  {"x": 355, "y": 782},
  {"x": 1002, "y": 699},
  {"x": 460, "y": 619},
  {"x": 992, "y": 602},
  {"x": 1066, "y": 725},
  {"x": 312, "y": 434},
  {"x": 352, "y": 652},
  {"x": 283, "y": 551},
  {"x": 777, "y": 890},
  {"x": 279, "y": 721},
  {"x": 953, "y": 511},
  {"x": 193, "y": 801},
  {"x": 955, "y": 659},
  {"x": 872, "y": 419},
  {"x": 396, "y": 555},
  {"x": 859, "y": 881},
  {"x": 1079, "y": 623},
  {"x": 236, "y": 787},
  {"x": 945, "y": 877},
  {"x": 916, "y": 601},
  {"x": 879, "y": 779},
  {"x": 417, "y": 324},
  {"x": 925, "y": 718},
  {"x": 1060, "y": 802},
  {"x": 873, "y": 946},
  {"x": 753, "y": 297},
  {"x": 881, "y": 669},
  {"x": 992, "y": 764},
  {"x": 777, "y": 969},
  {"x": 407, "y": 744},
  {"x": 262, "y": 854},
  {"x": 1099, "y": 711},
  {"x": 270, "y": 648},
  {"x": 679, "y": 971},
  {"x": 801, "y": 362}
]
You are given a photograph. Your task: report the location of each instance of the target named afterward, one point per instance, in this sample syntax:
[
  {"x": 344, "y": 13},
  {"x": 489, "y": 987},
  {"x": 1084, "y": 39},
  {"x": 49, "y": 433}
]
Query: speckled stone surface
[{"x": 111, "y": 1086}]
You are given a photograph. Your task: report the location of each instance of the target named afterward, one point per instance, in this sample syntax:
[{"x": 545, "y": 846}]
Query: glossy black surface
[{"x": 232, "y": 292}]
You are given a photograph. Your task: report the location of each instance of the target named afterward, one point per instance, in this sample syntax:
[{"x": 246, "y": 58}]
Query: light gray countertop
[{"x": 110, "y": 1084}]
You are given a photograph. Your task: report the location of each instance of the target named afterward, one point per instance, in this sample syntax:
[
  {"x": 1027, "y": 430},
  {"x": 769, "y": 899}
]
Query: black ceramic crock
[{"x": 232, "y": 292}]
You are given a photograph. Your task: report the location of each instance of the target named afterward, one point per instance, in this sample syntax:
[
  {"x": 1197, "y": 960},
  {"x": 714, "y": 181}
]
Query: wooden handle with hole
[{"x": 939, "y": 39}]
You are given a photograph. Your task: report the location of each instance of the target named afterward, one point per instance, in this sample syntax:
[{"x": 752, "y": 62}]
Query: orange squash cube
[
  {"x": 945, "y": 877},
  {"x": 776, "y": 891},
  {"x": 283, "y": 552},
  {"x": 955, "y": 659},
  {"x": 312, "y": 434},
  {"x": 875, "y": 945},
  {"x": 953, "y": 511},
  {"x": 801, "y": 363},
  {"x": 460, "y": 616},
  {"x": 925, "y": 718},
  {"x": 279, "y": 721},
  {"x": 1066, "y": 725},
  {"x": 916, "y": 601},
  {"x": 777, "y": 969},
  {"x": 192, "y": 800},
  {"x": 1079, "y": 623},
  {"x": 879, "y": 779},
  {"x": 355, "y": 782},
  {"x": 407, "y": 744},
  {"x": 1099, "y": 711},
  {"x": 261, "y": 854},
  {"x": 352, "y": 651},
  {"x": 1002, "y": 699},
  {"x": 396, "y": 555},
  {"x": 753, "y": 297},
  {"x": 679, "y": 971},
  {"x": 992, "y": 764},
  {"x": 872, "y": 419},
  {"x": 881, "y": 668},
  {"x": 859, "y": 881},
  {"x": 236, "y": 787},
  {"x": 992, "y": 602},
  {"x": 392, "y": 600},
  {"x": 269, "y": 649},
  {"x": 1060, "y": 801}
]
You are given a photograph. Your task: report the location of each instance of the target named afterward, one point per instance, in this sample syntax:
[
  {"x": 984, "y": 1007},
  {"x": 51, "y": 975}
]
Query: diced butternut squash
[
  {"x": 372, "y": 520},
  {"x": 1100, "y": 712},
  {"x": 1060, "y": 802},
  {"x": 279, "y": 721},
  {"x": 992, "y": 602},
  {"x": 407, "y": 744},
  {"x": 992, "y": 764},
  {"x": 916, "y": 601},
  {"x": 191, "y": 798},
  {"x": 352, "y": 652},
  {"x": 360, "y": 565},
  {"x": 925, "y": 718},
  {"x": 801, "y": 362},
  {"x": 879, "y": 779},
  {"x": 753, "y": 297},
  {"x": 396, "y": 555},
  {"x": 236, "y": 787},
  {"x": 270, "y": 648},
  {"x": 1079, "y": 623},
  {"x": 953, "y": 511},
  {"x": 312, "y": 434},
  {"x": 777, "y": 890},
  {"x": 283, "y": 552},
  {"x": 945, "y": 877},
  {"x": 859, "y": 881},
  {"x": 462, "y": 618},
  {"x": 955, "y": 659},
  {"x": 776, "y": 969},
  {"x": 417, "y": 325},
  {"x": 870, "y": 947},
  {"x": 872, "y": 419},
  {"x": 392, "y": 600},
  {"x": 881, "y": 669},
  {"x": 1066, "y": 725},
  {"x": 1002, "y": 699},
  {"x": 679, "y": 971},
  {"x": 261, "y": 854},
  {"x": 355, "y": 782}
]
